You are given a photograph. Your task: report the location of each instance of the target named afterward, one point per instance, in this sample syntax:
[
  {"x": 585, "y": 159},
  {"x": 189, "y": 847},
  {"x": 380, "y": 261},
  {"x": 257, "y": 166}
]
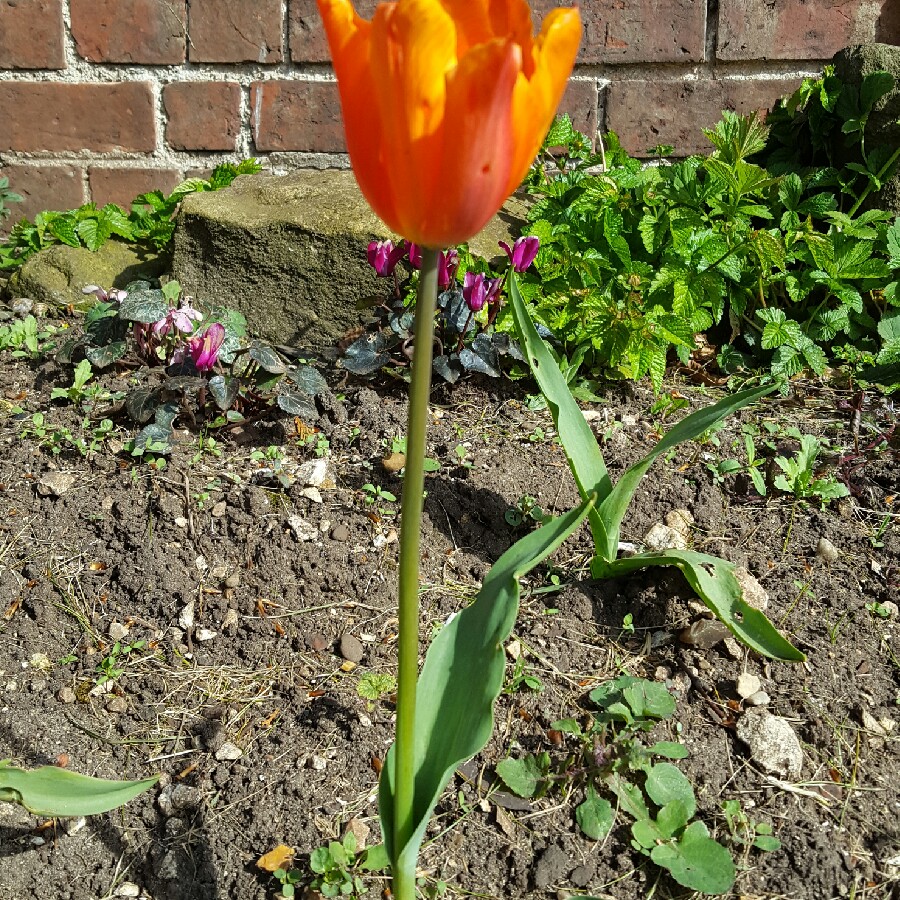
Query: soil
[{"x": 288, "y": 617}]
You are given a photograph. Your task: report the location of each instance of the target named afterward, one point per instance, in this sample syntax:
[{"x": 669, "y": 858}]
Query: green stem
[
  {"x": 880, "y": 176},
  {"x": 404, "y": 876}
]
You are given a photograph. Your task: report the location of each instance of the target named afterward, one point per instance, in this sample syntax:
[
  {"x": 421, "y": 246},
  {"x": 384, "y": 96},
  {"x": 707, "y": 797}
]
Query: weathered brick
[
  {"x": 297, "y": 115},
  {"x": 119, "y": 185},
  {"x": 31, "y": 34},
  {"x": 647, "y": 113},
  {"x": 43, "y": 187},
  {"x": 802, "y": 29},
  {"x": 618, "y": 31},
  {"x": 580, "y": 103},
  {"x": 202, "y": 115},
  {"x": 306, "y": 34},
  {"x": 150, "y": 32},
  {"x": 56, "y": 117},
  {"x": 232, "y": 31}
]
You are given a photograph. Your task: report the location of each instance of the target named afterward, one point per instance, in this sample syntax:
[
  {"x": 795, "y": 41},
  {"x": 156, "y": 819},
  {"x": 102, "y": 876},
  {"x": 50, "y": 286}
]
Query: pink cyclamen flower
[
  {"x": 205, "y": 347},
  {"x": 523, "y": 251},
  {"x": 383, "y": 256},
  {"x": 415, "y": 256},
  {"x": 448, "y": 263},
  {"x": 478, "y": 290},
  {"x": 102, "y": 295}
]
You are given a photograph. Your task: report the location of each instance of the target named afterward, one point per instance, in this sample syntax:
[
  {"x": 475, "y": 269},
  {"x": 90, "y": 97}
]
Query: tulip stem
[{"x": 404, "y": 875}]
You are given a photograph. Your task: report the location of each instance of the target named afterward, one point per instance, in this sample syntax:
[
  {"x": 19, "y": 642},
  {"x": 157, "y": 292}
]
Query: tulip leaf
[
  {"x": 460, "y": 680},
  {"x": 715, "y": 583},
  {"x": 51, "y": 791}
]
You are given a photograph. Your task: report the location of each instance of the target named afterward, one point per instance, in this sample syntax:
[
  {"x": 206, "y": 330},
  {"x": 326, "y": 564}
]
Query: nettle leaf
[
  {"x": 889, "y": 328},
  {"x": 648, "y": 698},
  {"x": 696, "y": 861},
  {"x": 63, "y": 229},
  {"x": 266, "y": 358},
  {"x": 93, "y": 232},
  {"x": 308, "y": 380},
  {"x": 595, "y": 816},
  {"x": 146, "y": 307},
  {"x": 296, "y": 403},
  {"x": 874, "y": 86},
  {"x": 366, "y": 354},
  {"x": 141, "y": 403},
  {"x": 779, "y": 329}
]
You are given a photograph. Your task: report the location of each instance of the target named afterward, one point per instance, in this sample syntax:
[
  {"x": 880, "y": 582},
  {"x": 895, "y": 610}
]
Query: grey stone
[
  {"x": 57, "y": 274},
  {"x": 826, "y": 551},
  {"x": 772, "y": 742},
  {"x": 289, "y": 252},
  {"x": 662, "y": 537},
  {"x": 340, "y": 532},
  {"x": 753, "y": 592},
  {"x": 747, "y": 685},
  {"x": 851, "y": 65},
  {"x": 351, "y": 648}
]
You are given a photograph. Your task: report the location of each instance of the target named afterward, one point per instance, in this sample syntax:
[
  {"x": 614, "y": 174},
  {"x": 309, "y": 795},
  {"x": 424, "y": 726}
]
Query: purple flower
[
  {"x": 205, "y": 347},
  {"x": 181, "y": 319},
  {"x": 102, "y": 295},
  {"x": 448, "y": 263},
  {"x": 522, "y": 252},
  {"x": 415, "y": 256},
  {"x": 383, "y": 256},
  {"x": 478, "y": 290}
]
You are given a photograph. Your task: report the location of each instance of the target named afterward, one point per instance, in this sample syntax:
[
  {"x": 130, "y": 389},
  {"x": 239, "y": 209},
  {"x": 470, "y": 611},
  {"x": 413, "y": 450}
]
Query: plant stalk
[{"x": 404, "y": 877}]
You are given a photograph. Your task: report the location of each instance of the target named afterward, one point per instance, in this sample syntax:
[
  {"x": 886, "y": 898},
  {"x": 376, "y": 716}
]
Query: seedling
[
  {"x": 76, "y": 393},
  {"x": 745, "y": 832},
  {"x": 374, "y": 494},
  {"x": 526, "y": 508},
  {"x": 462, "y": 456},
  {"x": 373, "y": 686},
  {"x": 23, "y": 337},
  {"x": 609, "y": 757},
  {"x": 113, "y": 666},
  {"x": 334, "y": 866},
  {"x": 523, "y": 679},
  {"x": 799, "y": 476}
]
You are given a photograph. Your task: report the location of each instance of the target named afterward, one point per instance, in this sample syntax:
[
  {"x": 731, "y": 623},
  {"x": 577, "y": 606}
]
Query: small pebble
[
  {"x": 229, "y": 752},
  {"x": 317, "y": 642},
  {"x": 662, "y": 537},
  {"x": 204, "y": 634},
  {"x": 74, "y": 825},
  {"x": 680, "y": 520},
  {"x": 760, "y": 698},
  {"x": 181, "y": 521},
  {"x": 219, "y": 510},
  {"x": 115, "y": 704},
  {"x": 117, "y": 631},
  {"x": 340, "y": 532},
  {"x": 747, "y": 685},
  {"x": 351, "y": 648},
  {"x": 55, "y": 484},
  {"x": 303, "y": 530},
  {"x": 703, "y": 634},
  {"x": 127, "y": 889},
  {"x": 826, "y": 551},
  {"x": 231, "y": 620},
  {"x": 319, "y": 763},
  {"x": 315, "y": 473},
  {"x": 754, "y": 593},
  {"x": 233, "y": 580},
  {"x": 312, "y": 493},
  {"x": 40, "y": 661}
]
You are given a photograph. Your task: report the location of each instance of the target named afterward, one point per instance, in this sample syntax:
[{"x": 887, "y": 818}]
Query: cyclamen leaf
[
  {"x": 267, "y": 359},
  {"x": 297, "y": 403},
  {"x": 145, "y": 307},
  {"x": 224, "y": 390}
]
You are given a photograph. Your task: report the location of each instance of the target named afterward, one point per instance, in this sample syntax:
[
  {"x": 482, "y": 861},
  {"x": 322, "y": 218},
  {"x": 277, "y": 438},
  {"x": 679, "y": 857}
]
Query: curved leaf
[
  {"x": 51, "y": 791},
  {"x": 461, "y": 679},
  {"x": 144, "y": 306},
  {"x": 267, "y": 359},
  {"x": 696, "y": 861}
]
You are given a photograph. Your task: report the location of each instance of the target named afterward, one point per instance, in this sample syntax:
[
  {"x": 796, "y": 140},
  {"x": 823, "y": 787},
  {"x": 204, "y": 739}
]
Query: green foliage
[
  {"x": 745, "y": 832},
  {"x": 610, "y": 758},
  {"x": 151, "y": 220},
  {"x": 334, "y": 867},
  {"x": 24, "y": 337},
  {"x": 712, "y": 578},
  {"x": 7, "y": 196},
  {"x": 373, "y": 686},
  {"x": 51, "y": 791},
  {"x": 635, "y": 261},
  {"x": 799, "y": 474}
]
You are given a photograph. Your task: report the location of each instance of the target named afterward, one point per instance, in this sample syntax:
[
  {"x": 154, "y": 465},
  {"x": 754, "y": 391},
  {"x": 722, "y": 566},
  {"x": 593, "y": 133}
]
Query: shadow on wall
[{"x": 887, "y": 28}]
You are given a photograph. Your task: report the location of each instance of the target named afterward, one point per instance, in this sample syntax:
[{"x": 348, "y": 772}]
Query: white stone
[
  {"x": 772, "y": 742},
  {"x": 204, "y": 634},
  {"x": 753, "y": 591},
  {"x": 229, "y": 751},
  {"x": 826, "y": 551},
  {"x": 40, "y": 661},
  {"x": 127, "y": 889},
  {"x": 55, "y": 483},
  {"x": 662, "y": 537},
  {"x": 760, "y": 698},
  {"x": 681, "y": 520},
  {"x": 315, "y": 473},
  {"x": 186, "y": 617},
  {"x": 303, "y": 530},
  {"x": 747, "y": 685}
]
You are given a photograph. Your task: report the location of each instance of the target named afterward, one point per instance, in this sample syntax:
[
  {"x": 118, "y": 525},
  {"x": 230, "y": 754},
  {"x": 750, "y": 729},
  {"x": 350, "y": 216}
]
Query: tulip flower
[
  {"x": 205, "y": 347},
  {"x": 445, "y": 105},
  {"x": 523, "y": 251},
  {"x": 383, "y": 256}
]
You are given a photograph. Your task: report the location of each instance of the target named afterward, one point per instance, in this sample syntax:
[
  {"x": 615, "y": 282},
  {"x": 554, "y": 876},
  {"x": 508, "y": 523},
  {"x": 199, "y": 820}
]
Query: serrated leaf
[
  {"x": 874, "y": 86},
  {"x": 63, "y": 229}
]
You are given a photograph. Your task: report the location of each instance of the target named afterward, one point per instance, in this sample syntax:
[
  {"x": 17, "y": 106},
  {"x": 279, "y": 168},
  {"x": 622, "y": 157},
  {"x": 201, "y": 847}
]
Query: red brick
[
  {"x": 43, "y": 187},
  {"x": 31, "y": 34},
  {"x": 580, "y": 103},
  {"x": 57, "y": 117},
  {"x": 202, "y": 115},
  {"x": 625, "y": 31},
  {"x": 802, "y": 29},
  {"x": 118, "y": 185},
  {"x": 297, "y": 115},
  {"x": 150, "y": 32},
  {"x": 306, "y": 34},
  {"x": 232, "y": 31},
  {"x": 647, "y": 113}
]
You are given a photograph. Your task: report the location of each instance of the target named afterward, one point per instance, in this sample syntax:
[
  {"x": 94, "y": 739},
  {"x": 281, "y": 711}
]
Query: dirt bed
[{"x": 253, "y": 610}]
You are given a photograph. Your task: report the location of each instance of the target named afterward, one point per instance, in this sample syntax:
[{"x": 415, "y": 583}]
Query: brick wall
[{"x": 103, "y": 99}]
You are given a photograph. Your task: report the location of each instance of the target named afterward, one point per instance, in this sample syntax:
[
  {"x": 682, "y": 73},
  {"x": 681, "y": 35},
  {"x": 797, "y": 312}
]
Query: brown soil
[{"x": 126, "y": 545}]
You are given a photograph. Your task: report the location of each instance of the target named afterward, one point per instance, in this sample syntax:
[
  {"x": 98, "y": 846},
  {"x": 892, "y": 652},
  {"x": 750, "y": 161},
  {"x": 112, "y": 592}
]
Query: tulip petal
[{"x": 537, "y": 98}]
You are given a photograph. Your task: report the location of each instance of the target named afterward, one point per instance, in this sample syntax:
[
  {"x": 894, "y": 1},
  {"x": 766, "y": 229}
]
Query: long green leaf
[
  {"x": 461, "y": 679},
  {"x": 716, "y": 584},
  {"x": 578, "y": 441},
  {"x": 51, "y": 791},
  {"x": 612, "y": 509}
]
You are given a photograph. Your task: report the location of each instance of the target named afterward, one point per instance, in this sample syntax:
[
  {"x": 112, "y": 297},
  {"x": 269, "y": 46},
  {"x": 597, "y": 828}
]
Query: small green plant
[
  {"x": 25, "y": 337},
  {"x": 76, "y": 392},
  {"x": 746, "y": 833},
  {"x": 113, "y": 665},
  {"x": 754, "y": 468},
  {"x": 526, "y": 509},
  {"x": 609, "y": 757},
  {"x": 7, "y": 196},
  {"x": 799, "y": 474},
  {"x": 374, "y": 494},
  {"x": 335, "y": 869},
  {"x": 878, "y": 609},
  {"x": 374, "y": 686},
  {"x": 523, "y": 678}
]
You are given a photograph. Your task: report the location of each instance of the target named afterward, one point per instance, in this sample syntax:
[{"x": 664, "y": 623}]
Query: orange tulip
[{"x": 445, "y": 105}]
